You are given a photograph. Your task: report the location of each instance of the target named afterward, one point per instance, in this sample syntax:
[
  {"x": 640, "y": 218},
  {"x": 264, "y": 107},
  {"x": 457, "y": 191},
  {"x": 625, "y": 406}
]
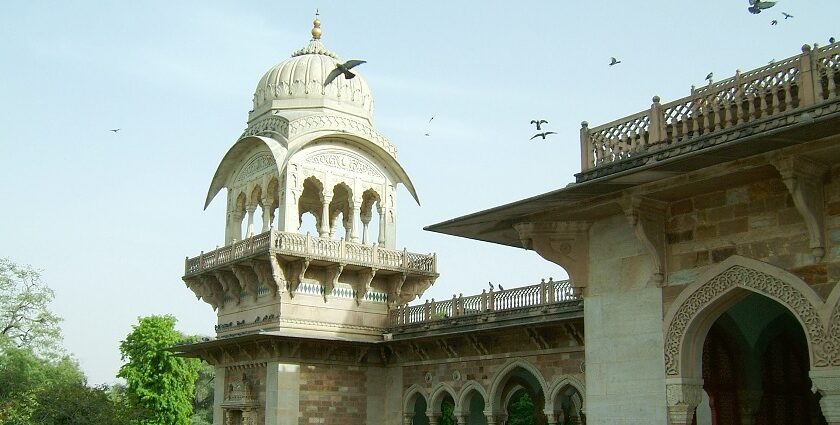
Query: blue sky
[{"x": 110, "y": 217}]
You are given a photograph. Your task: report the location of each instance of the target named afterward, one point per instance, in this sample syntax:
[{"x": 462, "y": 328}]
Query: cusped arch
[
  {"x": 698, "y": 306},
  {"x": 468, "y": 391},
  {"x": 435, "y": 400},
  {"x": 494, "y": 402},
  {"x": 238, "y": 152},
  {"x": 411, "y": 395},
  {"x": 374, "y": 149},
  {"x": 562, "y": 385}
]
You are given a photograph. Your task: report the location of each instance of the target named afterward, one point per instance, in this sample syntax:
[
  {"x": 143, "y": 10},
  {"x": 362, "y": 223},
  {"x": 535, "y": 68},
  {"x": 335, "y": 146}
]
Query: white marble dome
[{"x": 298, "y": 82}]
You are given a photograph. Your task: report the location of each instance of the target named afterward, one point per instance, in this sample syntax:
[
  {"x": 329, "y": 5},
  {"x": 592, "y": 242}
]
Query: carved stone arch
[
  {"x": 562, "y": 385},
  {"x": 255, "y": 193},
  {"x": 239, "y": 152},
  {"x": 468, "y": 391},
  {"x": 494, "y": 401},
  {"x": 698, "y": 306},
  {"x": 435, "y": 400},
  {"x": 411, "y": 395}
]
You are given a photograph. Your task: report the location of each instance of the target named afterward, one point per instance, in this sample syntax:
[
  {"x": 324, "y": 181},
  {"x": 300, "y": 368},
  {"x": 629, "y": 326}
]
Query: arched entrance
[
  {"x": 518, "y": 395},
  {"x": 743, "y": 332}
]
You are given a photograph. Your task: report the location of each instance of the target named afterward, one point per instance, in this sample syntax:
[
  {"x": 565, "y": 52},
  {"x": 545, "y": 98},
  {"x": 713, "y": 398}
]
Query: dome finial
[{"x": 316, "y": 27}]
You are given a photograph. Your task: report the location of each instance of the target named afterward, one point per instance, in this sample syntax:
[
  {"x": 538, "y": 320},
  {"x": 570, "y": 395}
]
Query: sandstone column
[
  {"x": 324, "y": 231},
  {"x": 682, "y": 395},
  {"x": 826, "y": 381}
]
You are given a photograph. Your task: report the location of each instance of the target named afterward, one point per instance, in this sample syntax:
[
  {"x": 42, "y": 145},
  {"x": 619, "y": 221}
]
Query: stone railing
[
  {"x": 543, "y": 293},
  {"x": 800, "y": 81},
  {"x": 312, "y": 247}
]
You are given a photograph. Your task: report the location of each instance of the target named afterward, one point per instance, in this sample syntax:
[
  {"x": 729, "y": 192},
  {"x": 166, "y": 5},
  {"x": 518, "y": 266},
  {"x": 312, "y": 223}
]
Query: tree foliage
[
  {"x": 157, "y": 380},
  {"x": 36, "y": 390},
  {"x": 521, "y": 410},
  {"x": 24, "y": 318},
  {"x": 204, "y": 394}
]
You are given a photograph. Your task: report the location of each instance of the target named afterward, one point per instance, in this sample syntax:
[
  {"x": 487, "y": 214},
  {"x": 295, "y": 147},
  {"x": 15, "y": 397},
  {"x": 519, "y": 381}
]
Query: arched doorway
[
  {"x": 717, "y": 343},
  {"x": 471, "y": 404},
  {"x": 519, "y": 395}
]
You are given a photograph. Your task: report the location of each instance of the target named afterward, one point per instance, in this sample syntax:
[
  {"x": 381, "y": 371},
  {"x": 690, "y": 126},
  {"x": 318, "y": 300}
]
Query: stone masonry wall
[
  {"x": 332, "y": 394},
  {"x": 757, "y": 220}
]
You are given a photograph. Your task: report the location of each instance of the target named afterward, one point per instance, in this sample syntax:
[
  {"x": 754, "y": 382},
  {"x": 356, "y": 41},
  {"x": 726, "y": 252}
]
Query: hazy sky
[{"x": 110, "y": 217}]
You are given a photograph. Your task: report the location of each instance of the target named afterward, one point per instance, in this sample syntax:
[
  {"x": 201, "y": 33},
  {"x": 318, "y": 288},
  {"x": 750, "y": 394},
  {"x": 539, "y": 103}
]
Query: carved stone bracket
[
  {"x": 294, "y": 271},
  {"x": 277, "y": 272},
  {"x": 537, "y": 339},
  {"x": 647, "y": 217},
  {"x": 247, "y": 280},
  {"x": 565, "y": 243},
  {"x": 477, "y": 345},
  {"x": 229, "y": 283},
  {"x": 265, "y": 276},
  {"x": 395, "y": 284},
  {"x": 332, "y": 274},
  {"x": 365, "y": 277},
  {"x": 447, "y": 348},
  {"x": 683, "y": 396},
  {"x": 804, "y": 180},
  {"x": 211, "y": 291}
]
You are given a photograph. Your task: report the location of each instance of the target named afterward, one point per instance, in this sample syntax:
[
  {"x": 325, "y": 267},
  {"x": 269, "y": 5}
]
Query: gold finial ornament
[{"x": 316, "y": 27}]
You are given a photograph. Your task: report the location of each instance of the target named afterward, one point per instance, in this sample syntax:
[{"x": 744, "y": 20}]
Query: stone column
[
  {"x": 219, "y": 394},
  {"x": 354, "y": 219},
  {"x": 682, "y": 395},
  {"x": 324, "y": 231},
  {"x": 826, "y": 381},
  {"x": 250, "y": 209},
  {"x": 408, "y": 418},
  {"x": 282, "y": 393},
  {"x": 553, "y": 418},
  {"x": 266, "y": 214},
  {"x": 365, "y": 222},
  {"x": 382, "y": 226}
]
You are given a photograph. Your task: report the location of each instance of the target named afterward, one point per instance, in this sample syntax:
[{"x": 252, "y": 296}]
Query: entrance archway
[
  {"x": 698, "y": 326},
  {"x": 519, "y": 388}
]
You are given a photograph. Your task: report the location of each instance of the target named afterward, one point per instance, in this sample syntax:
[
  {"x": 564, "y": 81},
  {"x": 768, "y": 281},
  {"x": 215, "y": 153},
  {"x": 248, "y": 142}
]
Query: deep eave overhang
[{"x": 797, "y": 127}]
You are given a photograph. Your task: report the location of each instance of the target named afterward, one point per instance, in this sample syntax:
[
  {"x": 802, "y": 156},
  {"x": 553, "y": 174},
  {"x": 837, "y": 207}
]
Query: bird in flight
[
  {"x": 614, "y": 61},
  {"x": 343, "y": 68},
  {"x": 543, "y": 134},
  {"x": 774, "y": 22},
  {"x": 430, "y": 119},
  {"x": 787, "y": 15},
  {"x": 538, "y": 123},
  {"x": 427, "y": 134},
  {"x": 756, "y": 6},
  {"x": 115, "y": 130},
  {"x": 709, "y": 77}
]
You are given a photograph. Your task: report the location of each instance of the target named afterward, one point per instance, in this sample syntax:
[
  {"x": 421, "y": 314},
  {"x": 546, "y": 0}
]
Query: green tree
[
  {"x": 521, "y": 410},
  {"x": 25, "y": 320},
  {"x": 447, "y": 412},
  {"x": 157, "y": 380},
  {"x": 204, "y": 392}
]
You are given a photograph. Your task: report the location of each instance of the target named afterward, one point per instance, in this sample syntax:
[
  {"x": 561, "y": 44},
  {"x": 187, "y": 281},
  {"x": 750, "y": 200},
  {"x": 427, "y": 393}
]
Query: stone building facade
[{"x": 702, "y": 241}]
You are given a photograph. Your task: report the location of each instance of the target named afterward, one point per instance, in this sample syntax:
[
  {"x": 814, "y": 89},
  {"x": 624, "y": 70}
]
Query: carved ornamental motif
[
  {"x": 258, "y": 164},
  {"x": 272, "y": 124},
  {"x": 823, "y": 346},
  {"x": 345, "y": 161},
  {"x": 341, "y": 124}
]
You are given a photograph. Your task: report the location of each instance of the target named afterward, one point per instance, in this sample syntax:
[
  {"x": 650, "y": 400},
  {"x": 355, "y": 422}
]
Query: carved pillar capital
[
  {"x": 826, "y": 381},
  {"x": 683, "y": 396},
  {"x": 647, "y": 216},
  {"x": 804, "y": 180},
  {"x": 565, "y": 243}
]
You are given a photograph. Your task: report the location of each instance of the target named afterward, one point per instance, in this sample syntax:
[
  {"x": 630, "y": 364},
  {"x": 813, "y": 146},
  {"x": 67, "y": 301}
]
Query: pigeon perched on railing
[
  {"x": 343, "y": 68},
  {"x": 491, "y": 285}
]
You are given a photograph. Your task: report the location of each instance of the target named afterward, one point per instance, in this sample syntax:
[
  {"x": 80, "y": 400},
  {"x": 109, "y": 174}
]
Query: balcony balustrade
[{"x": 808, "y": 80}]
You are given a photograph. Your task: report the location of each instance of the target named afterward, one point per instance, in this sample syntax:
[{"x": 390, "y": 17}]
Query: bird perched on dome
[{"x": 343, "y": 68}]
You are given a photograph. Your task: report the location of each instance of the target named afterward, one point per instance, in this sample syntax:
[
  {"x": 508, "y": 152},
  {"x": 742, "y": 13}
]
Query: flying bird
[
  {"x": 787, "y": 15},
  {"x": 427, "y": 134},
  {"x": 774, "y": 22},
  {"x": 491, "y": 285},
  {"x": 538, "y": 123},
  {"x": 709, "y": 77},
  {"x": 543, "y": 134},
  {"x": 115, "y": 130},
  {"x": 430, "y": 119},
  {"x": 756, "y": 6},
  {"x": 614, "y": 61},
  {"x": 343, "y": 68}
]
